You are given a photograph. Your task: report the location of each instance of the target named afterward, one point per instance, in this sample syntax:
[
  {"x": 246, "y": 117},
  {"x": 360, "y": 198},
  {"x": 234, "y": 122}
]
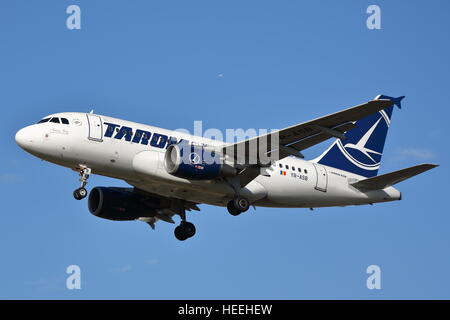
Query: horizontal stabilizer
[{"x": 389, "y": 179}]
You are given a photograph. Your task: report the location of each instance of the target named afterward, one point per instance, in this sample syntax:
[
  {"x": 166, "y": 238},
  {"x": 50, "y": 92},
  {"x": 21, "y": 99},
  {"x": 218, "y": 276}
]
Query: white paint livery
[{"x": 290, "y": 182}]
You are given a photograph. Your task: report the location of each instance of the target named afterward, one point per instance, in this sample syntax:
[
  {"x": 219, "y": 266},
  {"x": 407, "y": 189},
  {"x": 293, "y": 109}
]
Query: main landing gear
[
  {"x": 185, "y": 229},
  {"x": 238, "y": 205},
  {"x": 81, "y": 192}
]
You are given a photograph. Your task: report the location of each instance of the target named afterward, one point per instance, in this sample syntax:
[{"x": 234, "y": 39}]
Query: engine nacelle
[
  {"x": 195, "y": 163},
  {"x": 117, "y": 204}
]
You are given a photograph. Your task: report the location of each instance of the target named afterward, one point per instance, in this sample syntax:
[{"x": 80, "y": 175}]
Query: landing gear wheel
[
  {"x": 80, "y": 193},
  {"x": 241, "y": 203},
  {"x": 180, "y": 234},
  {"x": 189, "y": 229},
  {"x": 184, "y": 231},
  {"x": 232, "y": 209}
]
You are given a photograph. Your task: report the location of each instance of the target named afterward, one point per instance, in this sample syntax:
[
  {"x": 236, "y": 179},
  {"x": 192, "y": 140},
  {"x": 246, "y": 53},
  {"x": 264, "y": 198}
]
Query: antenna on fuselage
[{"x": 92, "y": 111}]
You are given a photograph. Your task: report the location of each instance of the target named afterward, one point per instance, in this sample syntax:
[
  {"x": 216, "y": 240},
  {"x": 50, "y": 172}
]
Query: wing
[
  {"x": 301, "y": 136},
  {"x": 162, "y": 208},
  {"x": 290, "y": 141}
]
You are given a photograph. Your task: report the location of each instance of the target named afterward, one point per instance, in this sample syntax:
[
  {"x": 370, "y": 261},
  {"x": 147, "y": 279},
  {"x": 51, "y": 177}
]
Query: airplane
[{"x": 172, "y": 172}]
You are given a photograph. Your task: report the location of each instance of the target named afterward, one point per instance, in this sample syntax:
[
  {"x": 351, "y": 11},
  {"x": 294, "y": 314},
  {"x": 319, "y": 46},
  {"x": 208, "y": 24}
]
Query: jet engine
[
  {"x": 119, "y": 204},
  {"x": 195, "y": 163}
]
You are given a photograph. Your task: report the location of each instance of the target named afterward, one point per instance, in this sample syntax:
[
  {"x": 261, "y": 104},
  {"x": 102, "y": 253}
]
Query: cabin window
[
  {"x": 281, "y": 166},
  {"x": 306, "y": 171},
  {"x": 287, "y": 167},
  {"x": 54, "y": 120},
  {"x": 293, "y": 168},
  {"x": 64, "y": 121}
]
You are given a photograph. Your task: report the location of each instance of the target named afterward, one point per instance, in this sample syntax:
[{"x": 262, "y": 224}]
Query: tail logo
[
  {"x": 361, "y": 148},
  {"x": 357, "y": 151}
]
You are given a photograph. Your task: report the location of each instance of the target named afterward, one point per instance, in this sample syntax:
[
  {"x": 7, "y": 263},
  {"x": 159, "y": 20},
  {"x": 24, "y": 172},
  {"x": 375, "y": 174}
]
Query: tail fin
[{"x": 361, "y": 150}]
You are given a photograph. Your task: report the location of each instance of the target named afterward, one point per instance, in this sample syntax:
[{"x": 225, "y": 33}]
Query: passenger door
[
  {"x": 322, "y": 177},
  {"x": 95, "y": 127}
]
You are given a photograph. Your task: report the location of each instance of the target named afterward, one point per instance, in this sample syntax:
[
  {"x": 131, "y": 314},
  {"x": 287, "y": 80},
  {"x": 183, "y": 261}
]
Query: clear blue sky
[{"x": 283, "y": 62}]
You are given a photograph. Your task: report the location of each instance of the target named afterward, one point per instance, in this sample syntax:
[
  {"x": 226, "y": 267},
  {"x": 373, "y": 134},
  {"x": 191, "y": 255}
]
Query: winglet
[{"x": 396, "y": 101}]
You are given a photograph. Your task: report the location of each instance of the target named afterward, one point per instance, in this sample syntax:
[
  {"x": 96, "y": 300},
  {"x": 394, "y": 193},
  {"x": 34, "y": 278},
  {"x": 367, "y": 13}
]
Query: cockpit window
[
  {"x": 54, "y": 120},
  {"x": 44, "y": 120}
]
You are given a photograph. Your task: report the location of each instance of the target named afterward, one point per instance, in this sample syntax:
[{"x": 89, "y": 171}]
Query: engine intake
[{"x": 195, "y": 163}]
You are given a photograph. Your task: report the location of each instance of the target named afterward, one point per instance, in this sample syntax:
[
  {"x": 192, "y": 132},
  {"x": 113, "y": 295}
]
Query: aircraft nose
[{"x": 24, "y": 138}]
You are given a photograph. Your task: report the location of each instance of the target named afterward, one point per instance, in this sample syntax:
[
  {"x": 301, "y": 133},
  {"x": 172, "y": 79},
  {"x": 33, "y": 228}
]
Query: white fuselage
[{"x": 140, "y": 162}]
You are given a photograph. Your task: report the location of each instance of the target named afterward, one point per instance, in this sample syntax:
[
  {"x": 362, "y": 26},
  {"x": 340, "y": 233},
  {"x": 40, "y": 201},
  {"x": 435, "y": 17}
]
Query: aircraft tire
[
  {"x": 80, "y": 193},
  {"x": 241, "y": 204},
  {"x": 179, "y": 233},
  {"x": 189, "y": 229},
  {"x": 232, "y": 209}
]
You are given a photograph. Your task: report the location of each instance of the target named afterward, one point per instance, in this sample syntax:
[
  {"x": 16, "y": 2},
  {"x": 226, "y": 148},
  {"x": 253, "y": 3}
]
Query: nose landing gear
[{"x": 81, "y": 192}]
